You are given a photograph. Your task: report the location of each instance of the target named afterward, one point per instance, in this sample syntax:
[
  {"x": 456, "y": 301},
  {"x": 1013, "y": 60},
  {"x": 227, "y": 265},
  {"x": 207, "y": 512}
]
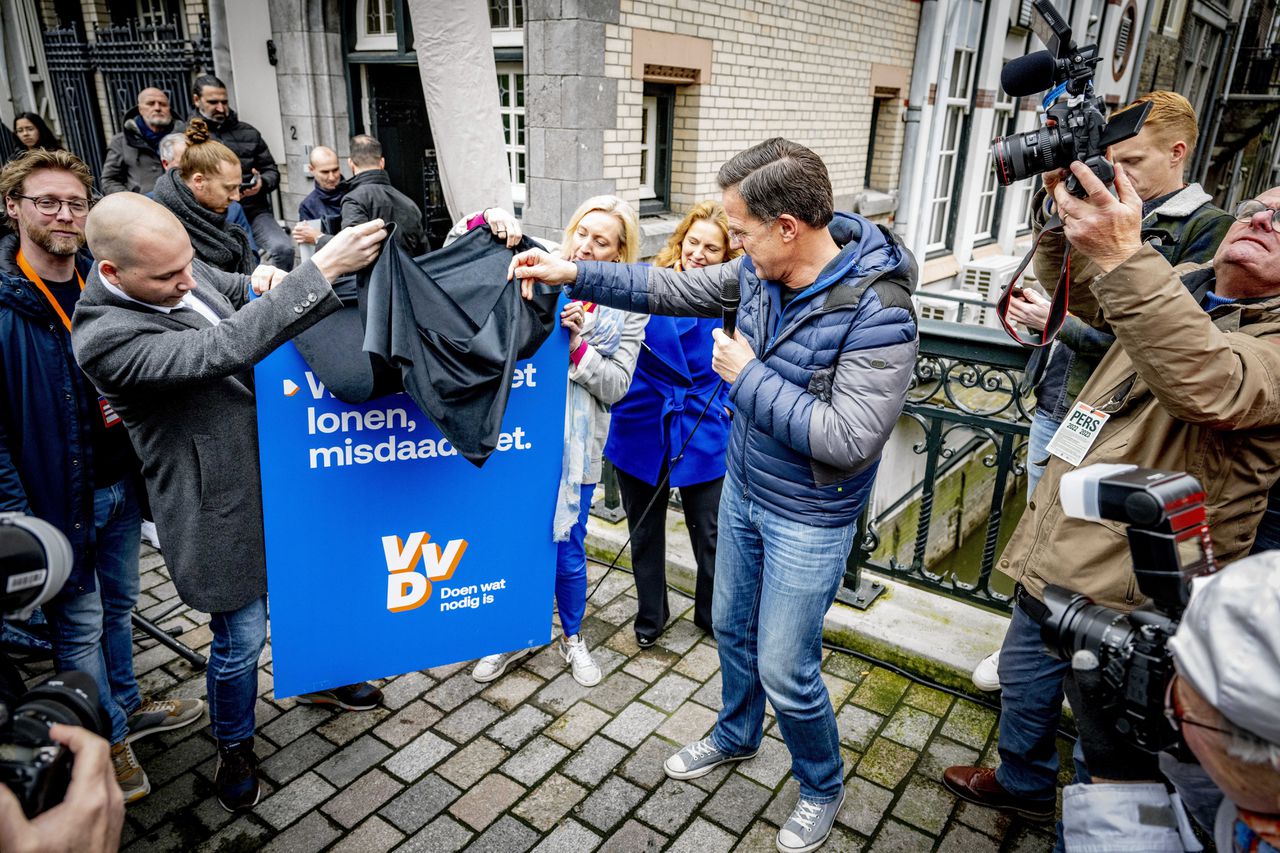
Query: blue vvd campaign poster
[{"x": 388, "y": 552}]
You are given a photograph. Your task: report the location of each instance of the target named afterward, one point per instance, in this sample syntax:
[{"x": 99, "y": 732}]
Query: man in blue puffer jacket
[{"x": 818, "y": 373}]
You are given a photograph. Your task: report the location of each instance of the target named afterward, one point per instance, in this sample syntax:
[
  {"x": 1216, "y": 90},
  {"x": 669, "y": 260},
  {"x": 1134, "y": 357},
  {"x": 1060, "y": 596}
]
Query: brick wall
[{"x": 780, "y": 67}]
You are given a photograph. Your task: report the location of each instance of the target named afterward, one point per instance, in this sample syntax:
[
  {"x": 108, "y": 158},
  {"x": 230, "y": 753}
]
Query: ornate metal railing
[
  {"x": 130, "y": 58},
  {"x": 969, "y": 419},
  {"x": 133, "y": 57}
]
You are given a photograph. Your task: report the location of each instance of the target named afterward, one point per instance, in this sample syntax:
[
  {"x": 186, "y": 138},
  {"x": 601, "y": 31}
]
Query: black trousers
[{"x": 649, "y": 548}]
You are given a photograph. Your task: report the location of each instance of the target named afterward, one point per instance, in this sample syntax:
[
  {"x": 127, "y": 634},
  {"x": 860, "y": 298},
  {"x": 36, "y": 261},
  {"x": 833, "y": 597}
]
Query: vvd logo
[{"x": 407, "y": 586}]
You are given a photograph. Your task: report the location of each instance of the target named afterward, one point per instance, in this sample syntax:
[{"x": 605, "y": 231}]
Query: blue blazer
[{"x": 673, "y": 381}]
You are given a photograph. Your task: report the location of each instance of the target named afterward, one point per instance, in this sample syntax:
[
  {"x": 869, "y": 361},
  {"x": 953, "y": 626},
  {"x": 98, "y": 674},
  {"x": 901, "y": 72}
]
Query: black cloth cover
[{"x": 446, "y": 327}]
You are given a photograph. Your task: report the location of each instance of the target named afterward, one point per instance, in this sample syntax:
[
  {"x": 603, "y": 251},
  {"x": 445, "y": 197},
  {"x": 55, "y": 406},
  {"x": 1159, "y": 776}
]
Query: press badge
[
  {"x": 109, "y": 416},
  {"x": 1077, "y": 433}
]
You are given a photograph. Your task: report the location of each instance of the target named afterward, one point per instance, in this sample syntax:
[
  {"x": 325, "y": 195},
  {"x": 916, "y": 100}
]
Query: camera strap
[{"x": 1061, "y": 294}]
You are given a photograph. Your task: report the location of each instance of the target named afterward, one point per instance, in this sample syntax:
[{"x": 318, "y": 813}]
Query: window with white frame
[
  {"x": 375, "y": 24},
  {"x": 506, "y": 21},
  {"x": 954, "y": 100},
  {"x": 152, "y": 13},
  {"x": 648, "y": 150},
  {"x": 511, "y": 108},
  {"x": 991, "y": 196}
]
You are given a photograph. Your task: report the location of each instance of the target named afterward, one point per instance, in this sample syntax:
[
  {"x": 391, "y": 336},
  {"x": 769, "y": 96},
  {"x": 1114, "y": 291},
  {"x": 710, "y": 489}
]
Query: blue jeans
[
  {"x": 571, "y": 569},
  {"x": 1042, "y": 429},
  {"x": 93, "y": 633},
  {"x": 775, "y": 580},
  {"x": 1030, "y": 708},
  {"x": 239, "y": 636}
]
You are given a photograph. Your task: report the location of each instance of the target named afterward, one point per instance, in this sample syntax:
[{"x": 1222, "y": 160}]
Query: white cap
[{"x": 1228, "y": 644}]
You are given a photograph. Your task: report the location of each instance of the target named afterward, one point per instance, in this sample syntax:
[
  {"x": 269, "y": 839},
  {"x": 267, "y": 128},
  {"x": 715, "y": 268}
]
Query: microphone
[
  {"x": 1029, "y": 75},
  {"x": 730, "y": 296}
]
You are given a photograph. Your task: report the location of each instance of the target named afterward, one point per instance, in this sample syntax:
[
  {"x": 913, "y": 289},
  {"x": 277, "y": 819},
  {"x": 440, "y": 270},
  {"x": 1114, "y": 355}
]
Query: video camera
[
  {"x": 35, "y": 560},
  {"x": 1075, "y": 127},
  {"x": 1169, "y": 541}
]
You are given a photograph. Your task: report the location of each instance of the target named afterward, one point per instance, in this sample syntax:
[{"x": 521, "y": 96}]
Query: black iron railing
[
  {"x": 969, "y": 420},
  {"x": 130, "y": 58},
  {"x": 133, "y": 57}
]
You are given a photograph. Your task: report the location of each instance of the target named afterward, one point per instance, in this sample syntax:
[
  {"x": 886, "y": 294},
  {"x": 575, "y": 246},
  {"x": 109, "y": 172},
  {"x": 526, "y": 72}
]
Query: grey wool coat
[{"x": 185, "y": 390}]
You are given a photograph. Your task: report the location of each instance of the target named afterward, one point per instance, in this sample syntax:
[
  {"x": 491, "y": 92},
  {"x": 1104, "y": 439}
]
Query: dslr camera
[
  {"x": 1075, "y": 126},
  {"x": 35, "y": 560},
  {"x": 1169, "y": 541}
]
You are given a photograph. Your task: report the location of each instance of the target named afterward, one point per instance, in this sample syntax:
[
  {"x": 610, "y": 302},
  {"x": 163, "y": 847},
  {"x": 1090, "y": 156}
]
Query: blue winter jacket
[
  {"x": 672, "y": 386},
  {"x": 46, "y": 463},
  {"x": 816, "y": 406}
]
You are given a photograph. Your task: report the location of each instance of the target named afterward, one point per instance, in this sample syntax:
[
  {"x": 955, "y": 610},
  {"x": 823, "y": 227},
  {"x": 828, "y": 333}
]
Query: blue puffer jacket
[
  {"x": 46, "y": 465},
  {"x": 816, "y": 406}
]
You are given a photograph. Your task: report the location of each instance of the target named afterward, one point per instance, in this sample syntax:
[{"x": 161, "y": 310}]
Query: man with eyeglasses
[
  {"x": 65, "y": 455},
  {"x": 1224, "y": 703},
  {"x": 1190, "y": 385}
]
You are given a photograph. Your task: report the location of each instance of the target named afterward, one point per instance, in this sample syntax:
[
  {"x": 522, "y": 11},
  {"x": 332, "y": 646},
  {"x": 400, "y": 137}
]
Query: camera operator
[
  {"x": 1225, "y": 703},
  {"x": 89, "y": 818},
  {"x": 1190, "y": 386}
]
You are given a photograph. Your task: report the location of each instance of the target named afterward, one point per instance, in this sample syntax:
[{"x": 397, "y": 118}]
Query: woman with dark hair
[
  {"x": 32, "y": 132},
  {"x": 657, "y": 441}
]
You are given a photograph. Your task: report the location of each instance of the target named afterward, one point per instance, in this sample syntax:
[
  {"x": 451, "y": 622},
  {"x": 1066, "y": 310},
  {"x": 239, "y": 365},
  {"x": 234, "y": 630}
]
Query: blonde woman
[
  {"x": 658, "y": 421},
  {"x": 603, "y": 346}
]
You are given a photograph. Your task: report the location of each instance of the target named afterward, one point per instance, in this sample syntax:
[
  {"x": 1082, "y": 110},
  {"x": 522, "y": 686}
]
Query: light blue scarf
[{"x": 604, "y": 335}]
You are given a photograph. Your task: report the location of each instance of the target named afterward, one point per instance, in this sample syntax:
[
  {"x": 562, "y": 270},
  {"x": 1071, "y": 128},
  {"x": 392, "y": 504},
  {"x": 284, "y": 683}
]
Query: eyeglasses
[
  {"x": 1246, "y": 210},
  {"x": 50, "y": 206},
  {"x": 1173, "y": 713},
  {"x": 739, "y": 236}
]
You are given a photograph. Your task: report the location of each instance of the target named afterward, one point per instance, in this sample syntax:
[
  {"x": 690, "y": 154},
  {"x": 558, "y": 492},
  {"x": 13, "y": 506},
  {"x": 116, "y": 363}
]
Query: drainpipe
[
  {"x": 220, "y": 45},
  {"x": 928, "y": 43},
  {"x": 1144, "y": 35}
]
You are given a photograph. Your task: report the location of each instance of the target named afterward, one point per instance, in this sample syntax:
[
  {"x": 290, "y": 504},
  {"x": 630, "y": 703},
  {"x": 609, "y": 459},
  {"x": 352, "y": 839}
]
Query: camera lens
[
  {"x": 70, "y": 698},
  {"x": 1032, "y": 153},
  {"x": 1076, "y": 624}
]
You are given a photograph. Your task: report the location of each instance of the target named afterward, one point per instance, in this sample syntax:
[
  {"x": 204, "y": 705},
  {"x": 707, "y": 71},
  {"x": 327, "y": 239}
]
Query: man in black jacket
[
  {"x": 370, "y": 196},
  {"x": 133, "y": 156},
  {"x": 258, "y": 167}
]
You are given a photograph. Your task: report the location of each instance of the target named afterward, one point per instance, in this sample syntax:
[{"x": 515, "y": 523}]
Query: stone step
[{"x": 930, "y": 634}]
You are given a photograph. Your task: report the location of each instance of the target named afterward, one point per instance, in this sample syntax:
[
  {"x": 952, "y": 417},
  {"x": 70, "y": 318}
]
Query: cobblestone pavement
[{"x": 533, "y": 761}]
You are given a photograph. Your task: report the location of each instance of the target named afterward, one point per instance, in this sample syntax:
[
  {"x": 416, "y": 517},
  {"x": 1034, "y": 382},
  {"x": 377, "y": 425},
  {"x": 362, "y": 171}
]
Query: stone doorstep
[{"x": 921, "y": 631}]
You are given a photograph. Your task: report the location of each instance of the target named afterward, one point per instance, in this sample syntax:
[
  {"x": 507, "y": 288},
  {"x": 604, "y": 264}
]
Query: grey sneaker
[
  {"x": 809, "y": 825},
  {"x": 490, "y": 667},
  {"x": 699, "y": 759},
  {"x": 164, "y": 715}
]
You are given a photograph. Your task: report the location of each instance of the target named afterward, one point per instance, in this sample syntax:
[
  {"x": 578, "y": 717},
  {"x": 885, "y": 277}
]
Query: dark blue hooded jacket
[
  {"x": 46, "y": 465},
  {"x": 829, "y": 380}
]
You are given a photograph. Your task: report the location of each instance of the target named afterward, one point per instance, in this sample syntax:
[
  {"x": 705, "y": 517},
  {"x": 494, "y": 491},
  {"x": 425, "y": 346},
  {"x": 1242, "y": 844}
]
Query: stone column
[
  {"x": 569, "y": 103},
  {"x": 313, "y": 91}
]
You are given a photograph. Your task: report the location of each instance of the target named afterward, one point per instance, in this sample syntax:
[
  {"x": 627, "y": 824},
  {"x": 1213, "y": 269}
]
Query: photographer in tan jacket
[{"x": 1192, "y": 385}]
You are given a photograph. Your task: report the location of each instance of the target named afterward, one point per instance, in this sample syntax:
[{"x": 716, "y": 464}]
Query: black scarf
[{"x": 216, "y": 242}]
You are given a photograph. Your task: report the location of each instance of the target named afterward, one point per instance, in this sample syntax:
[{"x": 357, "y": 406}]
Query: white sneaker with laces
[
  {"x": 986, "y": 675},
  {"x": 585, "y": 670},
  {"x": 491, "y": 667}
]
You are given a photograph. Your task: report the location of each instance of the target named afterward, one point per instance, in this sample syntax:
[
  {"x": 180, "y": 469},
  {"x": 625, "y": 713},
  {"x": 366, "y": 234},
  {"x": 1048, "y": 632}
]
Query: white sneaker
[
  {"x": 986, "y": 675},
  {"x": 585, "y": 670},
  {"x": 149, "y": 534},
  {"x": 490, "y": 667}
]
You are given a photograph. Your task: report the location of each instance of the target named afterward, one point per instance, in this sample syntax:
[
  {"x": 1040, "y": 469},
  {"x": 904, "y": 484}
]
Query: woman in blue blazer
[{"x": 672, "y": 384}]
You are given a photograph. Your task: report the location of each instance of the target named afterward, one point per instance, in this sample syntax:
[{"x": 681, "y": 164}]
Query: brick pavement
[{"x": 533, "y": 761}]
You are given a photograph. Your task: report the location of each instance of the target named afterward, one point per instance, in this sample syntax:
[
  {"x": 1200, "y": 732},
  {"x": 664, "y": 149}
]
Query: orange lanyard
[{"x": 35, "y": 279}]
